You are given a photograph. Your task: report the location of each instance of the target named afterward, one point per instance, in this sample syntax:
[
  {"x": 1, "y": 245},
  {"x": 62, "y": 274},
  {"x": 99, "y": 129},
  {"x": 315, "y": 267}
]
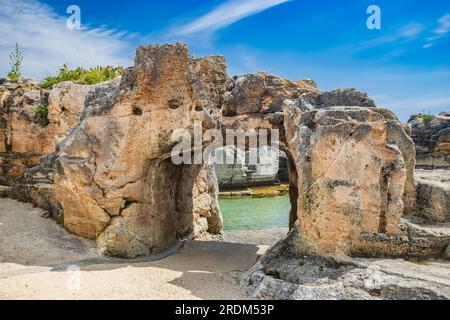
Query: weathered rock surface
[
  {"x": 351, "y": 180},
  {"x": 207, "y": 217},
  {"x": 242, "y": 174},
  {"x": 283, "y": 273},
  {"x": 432, "y": 137},
  {"x": 261, "y": 93},
  {"x": 27, "y": 163},
  {"x": 339, "y": 97},
  {"x": 433, "y": 195},
  {"x": 350, "y": 163},
  {"x": 399, "y": 134},
  {"x": 115, "y": 174}
]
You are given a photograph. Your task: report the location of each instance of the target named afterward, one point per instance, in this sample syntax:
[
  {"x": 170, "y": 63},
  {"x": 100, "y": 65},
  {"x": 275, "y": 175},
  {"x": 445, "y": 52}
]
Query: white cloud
[
  {"x": 442, "y": 30},
  {"x": 47, "y": 43},
  {"x": 406, "y": 33},
  {"x": 224, "y": 15},
  {"x": 411, "y": 30},
  {"x": 444, "y": 25}
]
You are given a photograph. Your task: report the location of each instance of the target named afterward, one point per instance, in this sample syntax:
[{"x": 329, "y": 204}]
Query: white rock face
[{"x": 241, "y": 174}]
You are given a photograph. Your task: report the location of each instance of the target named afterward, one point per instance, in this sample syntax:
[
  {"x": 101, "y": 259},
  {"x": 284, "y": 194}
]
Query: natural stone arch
[{"x": 116, "y": 182}]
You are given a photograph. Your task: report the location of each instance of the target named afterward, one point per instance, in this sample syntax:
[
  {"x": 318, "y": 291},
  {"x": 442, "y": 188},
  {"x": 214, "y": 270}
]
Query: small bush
[
  {"x": 15, "y": 61},
  {"x": 42, "y": 111},
  {"x": 83, "y": 76},
  {"x": 427, "y": 118}
]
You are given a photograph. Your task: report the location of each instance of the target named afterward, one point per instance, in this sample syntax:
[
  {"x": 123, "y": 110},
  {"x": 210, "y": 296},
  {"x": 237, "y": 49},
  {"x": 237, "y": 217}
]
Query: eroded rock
[
  {"x": 351, "y": 163},
  {"x": 134, "y": 200},
  {"x": 432, "y": 137},
  {"x": 351, "y": 180},
  {"x": 433, "y": 195}
]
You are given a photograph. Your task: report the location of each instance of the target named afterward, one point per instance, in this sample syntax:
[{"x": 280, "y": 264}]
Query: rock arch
[{"x": 116, "y": 183}]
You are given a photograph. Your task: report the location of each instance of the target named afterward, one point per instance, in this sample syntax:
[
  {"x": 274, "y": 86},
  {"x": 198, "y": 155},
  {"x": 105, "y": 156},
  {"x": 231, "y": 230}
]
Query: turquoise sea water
[{"x": 255, "y": 213}]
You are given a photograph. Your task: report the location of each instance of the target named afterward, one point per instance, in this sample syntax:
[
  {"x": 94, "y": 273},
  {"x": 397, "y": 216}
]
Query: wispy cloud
[
  {"x": 442, "y": 30},
  {"x": 47, "y": 43},
  {"x": 224, "y": 15},
  {"x": 406, "y": 33}
]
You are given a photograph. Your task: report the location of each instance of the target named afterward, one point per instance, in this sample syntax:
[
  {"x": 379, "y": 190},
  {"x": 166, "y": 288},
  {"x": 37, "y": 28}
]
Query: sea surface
[{"x": 255, "y": 213}]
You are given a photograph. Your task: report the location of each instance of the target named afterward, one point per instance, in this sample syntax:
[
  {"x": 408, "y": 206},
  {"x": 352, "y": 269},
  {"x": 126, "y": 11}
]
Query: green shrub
[
  {"x": 42, "y": 111},
  {"x": 83, "y": 76},
  {"x": 15, "y": 61},
  {"x": 427, "y": 118}
]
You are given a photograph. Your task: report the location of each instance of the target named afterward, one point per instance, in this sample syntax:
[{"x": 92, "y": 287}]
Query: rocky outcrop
[
  {"x": 28, "y": 161},
  {"x": 283, "y": 273},
  {"x": 117, "y": 181},
  {"x": 399, "y": 134},
  {"x": 339, "y": 97},
  {"x": 433, "y": 195},
  {"x": 22, "y": 139},
  {"x": 208, "y": 220},
  {"x": 261, "y": 93},
  {"x": 350, "y": 163},
  {"x": 241, "y": 174},
  {"x": 432, "y": 137},
  {"x": 351, "y": 180}
]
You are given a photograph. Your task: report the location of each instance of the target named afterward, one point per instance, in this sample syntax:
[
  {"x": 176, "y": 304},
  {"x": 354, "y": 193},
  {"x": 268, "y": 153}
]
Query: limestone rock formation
[
  {"x": 242, "y": 174},
  {"x": 400, "y": 135},
  {"x": 25, "y": 137},
  {"x": 104, "y": 158},
  {"x": 207, "y": 217},
  {"x": 339, "y": 97},
  {"x": 27, "y": 161},
  {"x": 283, "y": 273},
  {"x": 351, "y": 180},
  {"x": 23, "y": 140},
  {"x": 432, "y": 137},
  {"x": 433, "y": 195},
  {"x": 117, "y": 181},
  {"x": 261, "y": 93}
]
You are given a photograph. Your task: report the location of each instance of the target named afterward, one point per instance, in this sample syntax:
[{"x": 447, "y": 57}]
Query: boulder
[
  {"x": 261, "y": 93},
  {"x": 432, "y": 137},
  {"x": 433, "y": 195},
  {"x": 350, "y": 178}
]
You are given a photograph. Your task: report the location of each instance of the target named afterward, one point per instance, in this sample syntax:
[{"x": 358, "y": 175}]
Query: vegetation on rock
[
  {"x": 42, "y": 111},
  {"x": 427, "y": 118},
  {"x": 15, "y": 61},
  {"x": 83, "y": 76}
]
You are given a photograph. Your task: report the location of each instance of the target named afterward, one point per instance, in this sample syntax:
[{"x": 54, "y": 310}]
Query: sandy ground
[{"x": 40, "y": 260}]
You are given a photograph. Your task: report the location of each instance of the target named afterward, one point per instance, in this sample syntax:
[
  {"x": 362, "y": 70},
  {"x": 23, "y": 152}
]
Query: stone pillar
[{"x": 350, "y": 179}]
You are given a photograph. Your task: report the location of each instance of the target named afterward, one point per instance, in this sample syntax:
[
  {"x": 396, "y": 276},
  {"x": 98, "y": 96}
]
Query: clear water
[{"x": 255, "y": 213}]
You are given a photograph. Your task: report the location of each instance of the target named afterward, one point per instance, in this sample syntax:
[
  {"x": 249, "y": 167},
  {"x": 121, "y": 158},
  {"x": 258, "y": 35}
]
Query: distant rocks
[
  {"x": 269, "y": 171},
  {"x": 261, "y": 93},
  {"x": 339, "y": 97},
  {"x": 433, "y": 194},
  {"x": 432, "y": 137}
]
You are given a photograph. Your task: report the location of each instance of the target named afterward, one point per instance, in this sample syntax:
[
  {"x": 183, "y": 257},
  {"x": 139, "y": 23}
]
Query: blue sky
[{"x": 404, "y": 66}]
